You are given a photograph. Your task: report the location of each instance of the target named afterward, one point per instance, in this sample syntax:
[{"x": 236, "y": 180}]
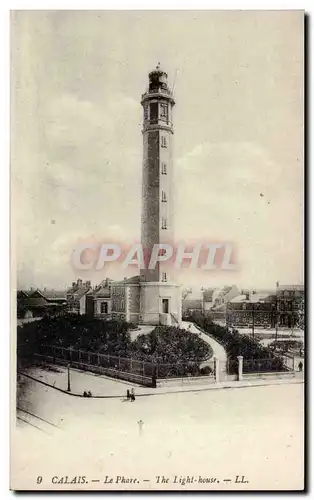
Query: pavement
[{"x": 105, "y": 387}]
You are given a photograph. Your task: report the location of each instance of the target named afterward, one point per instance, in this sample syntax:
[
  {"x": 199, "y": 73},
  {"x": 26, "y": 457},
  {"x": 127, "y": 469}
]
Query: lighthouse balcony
[{"x": 157, "y": 93}]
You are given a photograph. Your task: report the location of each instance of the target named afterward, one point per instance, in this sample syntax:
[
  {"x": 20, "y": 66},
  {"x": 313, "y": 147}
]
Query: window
[
  {"x": 164, "y": 168},
  {"x": 164, "y": 111},
  {"x": 145, "y": 112},
  {"x": 154, "y": 112},
  {"x": 163, "y": 141},
  {"x": 104, "y": 308},
  {"x": 164, "y": 276},
  {"x": 164, "y": 224},
  {"x": 163, "y": 196}
]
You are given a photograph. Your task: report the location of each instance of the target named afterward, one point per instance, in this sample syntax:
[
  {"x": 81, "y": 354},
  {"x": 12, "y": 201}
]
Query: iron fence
[
  {"x": 263, "y": 365},
  {"x": 150, "y": 369}
]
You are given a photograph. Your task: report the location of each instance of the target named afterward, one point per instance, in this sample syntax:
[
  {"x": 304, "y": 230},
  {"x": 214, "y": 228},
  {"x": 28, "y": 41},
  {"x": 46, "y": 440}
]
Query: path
[
  {"x": 104, "y": 387},
  {"x": 218, "y": 350},
  {"x": 142, "y": 330}
]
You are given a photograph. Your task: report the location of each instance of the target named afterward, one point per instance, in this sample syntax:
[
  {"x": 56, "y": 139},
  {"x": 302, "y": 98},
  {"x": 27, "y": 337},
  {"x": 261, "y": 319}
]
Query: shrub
[
  {"x": 239, "y": 345},
  {"x": 206, "y": 370},
  {"x": 169, "y": 344},
  {"x": 77, "y": 332}
]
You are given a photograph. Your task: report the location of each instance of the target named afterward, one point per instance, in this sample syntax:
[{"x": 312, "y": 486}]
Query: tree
[{"x": 186, "y": 292}]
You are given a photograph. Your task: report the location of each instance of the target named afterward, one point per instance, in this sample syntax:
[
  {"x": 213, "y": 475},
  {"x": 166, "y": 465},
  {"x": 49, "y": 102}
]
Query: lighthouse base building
[
  {"x": 136, "y": 302},
  {"x": 160, "y": 304}
]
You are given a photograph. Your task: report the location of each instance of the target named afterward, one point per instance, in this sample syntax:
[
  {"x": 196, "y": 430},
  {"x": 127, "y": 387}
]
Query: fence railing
[
  {"x": 264, "y": 365},
  {"x": 128, "y": 365},
  {"x": 111, "y": 372}
]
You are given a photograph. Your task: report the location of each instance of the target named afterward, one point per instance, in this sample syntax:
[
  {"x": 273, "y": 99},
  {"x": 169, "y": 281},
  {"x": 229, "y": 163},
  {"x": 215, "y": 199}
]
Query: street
[{"x": 253, "y": 431}]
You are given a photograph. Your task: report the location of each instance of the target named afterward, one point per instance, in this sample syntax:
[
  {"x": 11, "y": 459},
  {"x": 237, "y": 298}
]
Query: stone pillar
[
  {"x": 216, "y": 361},
  {"x": 240, "y": 367}
]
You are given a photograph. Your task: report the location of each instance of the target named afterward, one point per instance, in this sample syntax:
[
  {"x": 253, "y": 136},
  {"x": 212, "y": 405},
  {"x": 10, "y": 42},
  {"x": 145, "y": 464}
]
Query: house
[
  {"x": 223, "y": 295},
  {"x": 76, "y": 296},
  {"x": 34, "y": 303},
  {"x": 55, "y": 296},
  {"x": 116, "y": 300},
  {"x": 98, "y": 300},
  {"x": 30, "y": 304}
]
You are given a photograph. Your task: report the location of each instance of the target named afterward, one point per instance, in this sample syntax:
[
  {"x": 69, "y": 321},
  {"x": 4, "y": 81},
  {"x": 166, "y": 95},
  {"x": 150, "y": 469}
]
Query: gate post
[
  {"x": 216, "y": 368},
  {"x": 240, "y": 367}
]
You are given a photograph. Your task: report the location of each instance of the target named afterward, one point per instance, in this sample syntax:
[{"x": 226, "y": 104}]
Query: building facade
[
  {"x": 283, "y": 308},
  {"x": 290, "y": 306}
]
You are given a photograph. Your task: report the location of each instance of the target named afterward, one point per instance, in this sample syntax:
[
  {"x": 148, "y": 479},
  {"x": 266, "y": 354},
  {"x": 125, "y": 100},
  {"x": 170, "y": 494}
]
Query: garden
[{"x": 177, "y": 352}]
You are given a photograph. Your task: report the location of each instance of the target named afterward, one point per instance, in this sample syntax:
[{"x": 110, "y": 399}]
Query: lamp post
[
  {"x": 253, "y": 319},
  {"x": 203, "y": 303},
  {"x": 276, "y": 323},
  {"x": 69, "y": 380}
]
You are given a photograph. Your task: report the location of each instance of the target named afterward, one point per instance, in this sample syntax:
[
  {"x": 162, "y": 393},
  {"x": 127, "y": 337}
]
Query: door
[{"x": 165, "y": 306}]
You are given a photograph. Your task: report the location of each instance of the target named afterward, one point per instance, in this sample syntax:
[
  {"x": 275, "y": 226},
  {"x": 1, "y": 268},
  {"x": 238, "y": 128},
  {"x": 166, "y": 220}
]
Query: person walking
[
  {"x": 300, "y": 366},
  {"x": 128, "y": 395},
  {"x": 132, "y": 394}
]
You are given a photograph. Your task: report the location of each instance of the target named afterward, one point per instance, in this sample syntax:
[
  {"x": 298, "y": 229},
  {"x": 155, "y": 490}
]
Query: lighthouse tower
[{"x": 160, "y": 297}]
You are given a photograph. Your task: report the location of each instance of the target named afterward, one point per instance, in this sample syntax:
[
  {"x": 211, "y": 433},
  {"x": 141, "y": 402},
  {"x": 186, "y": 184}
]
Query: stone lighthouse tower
[{"x": 160, "y": 297}]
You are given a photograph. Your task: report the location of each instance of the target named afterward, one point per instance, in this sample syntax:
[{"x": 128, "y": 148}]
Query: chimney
[
  {"x": 247, "y": 296},
  {"x": 79, "y": 282},
  {"x": 88, "y": 284},
  {"x": 73, "y": 284}
]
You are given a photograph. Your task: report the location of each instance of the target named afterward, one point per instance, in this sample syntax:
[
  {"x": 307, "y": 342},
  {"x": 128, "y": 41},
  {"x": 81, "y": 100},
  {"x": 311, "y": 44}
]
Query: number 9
[{"x": 39, "y": 480}]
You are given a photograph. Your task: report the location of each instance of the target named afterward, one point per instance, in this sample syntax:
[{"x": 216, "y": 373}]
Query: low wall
[
  {"x": 183, "y": 381},
  {"x": 268, "y": 375}
]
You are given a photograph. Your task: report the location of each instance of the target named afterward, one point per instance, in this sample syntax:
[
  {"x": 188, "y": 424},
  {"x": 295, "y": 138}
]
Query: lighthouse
[{"x": 160, "y": 296}]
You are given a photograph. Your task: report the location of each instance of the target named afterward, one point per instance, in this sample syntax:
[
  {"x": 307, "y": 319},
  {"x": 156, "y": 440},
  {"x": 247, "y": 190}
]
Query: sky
[{"x": 76, "y": 143}]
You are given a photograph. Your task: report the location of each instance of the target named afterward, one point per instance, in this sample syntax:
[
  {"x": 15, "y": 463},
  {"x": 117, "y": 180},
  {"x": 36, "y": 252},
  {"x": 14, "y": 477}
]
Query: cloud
[{"x": 218, "y": 195}]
